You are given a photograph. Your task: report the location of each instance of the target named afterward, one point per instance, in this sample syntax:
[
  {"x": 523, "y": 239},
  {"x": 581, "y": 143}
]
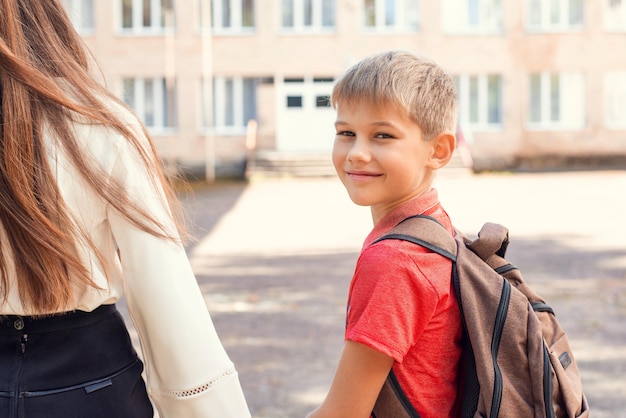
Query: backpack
[{"x": 516, "y": 358}]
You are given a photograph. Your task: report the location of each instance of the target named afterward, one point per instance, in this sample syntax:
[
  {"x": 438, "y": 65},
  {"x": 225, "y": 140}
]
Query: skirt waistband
[{"x": 36, "y": 325}]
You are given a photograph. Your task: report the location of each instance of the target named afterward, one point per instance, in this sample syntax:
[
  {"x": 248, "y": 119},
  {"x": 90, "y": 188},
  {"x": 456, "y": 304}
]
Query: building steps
[{"x": 291, "y": 164}]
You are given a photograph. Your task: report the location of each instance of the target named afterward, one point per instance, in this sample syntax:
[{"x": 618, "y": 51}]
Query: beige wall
[{"x": 270, "y": 53}]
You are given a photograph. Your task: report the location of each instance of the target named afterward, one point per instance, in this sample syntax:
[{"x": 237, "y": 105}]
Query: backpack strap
[
  {"x": 490, "y": 246},
  {"x": 392, "y": 401},
  {"x": 432, "y": 235},
  {"x": 493, "y": 239},
  {"x": 429, "y": 233}
]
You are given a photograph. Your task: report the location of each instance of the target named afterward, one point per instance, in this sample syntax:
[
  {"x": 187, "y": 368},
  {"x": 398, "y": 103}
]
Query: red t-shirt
[{"x": 401, "y": 303}]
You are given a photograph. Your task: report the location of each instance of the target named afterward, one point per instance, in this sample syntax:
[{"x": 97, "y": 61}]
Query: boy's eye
[
  {"x": 345, "y": 133},
  {"x": 382, "y": 135}
]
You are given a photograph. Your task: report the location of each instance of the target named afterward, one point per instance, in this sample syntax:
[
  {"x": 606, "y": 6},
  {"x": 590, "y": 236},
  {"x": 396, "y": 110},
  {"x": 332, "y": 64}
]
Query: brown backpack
[{"x": 517, "y": 360}]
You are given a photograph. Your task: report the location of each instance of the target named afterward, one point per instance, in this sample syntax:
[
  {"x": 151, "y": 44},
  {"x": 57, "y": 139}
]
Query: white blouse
[{"x": 188, "y": 371}]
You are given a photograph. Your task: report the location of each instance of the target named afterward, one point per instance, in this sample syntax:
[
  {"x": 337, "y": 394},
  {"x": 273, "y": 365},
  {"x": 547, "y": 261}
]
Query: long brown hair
[{"x": 45, "y": 77}]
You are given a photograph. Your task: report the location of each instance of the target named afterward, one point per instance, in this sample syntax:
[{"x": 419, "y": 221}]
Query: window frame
[
  {"x": 314, "y": 22},
  {"x": 457, "y": 16},
  {"x": 564, "y": 23},
  {"x": 570, "y": 104},
  {"x": 484, "y": 102},
  {"x": 229, "y": 113},
  {"x": 78, "y": 14},
  {"x": 163, "y": 110},
  {"x": 404, "y": 12},
  {"x": 236, "y": 18},
  {"x": 157, "y": 14},
  {"x": 615, "y": 100}
]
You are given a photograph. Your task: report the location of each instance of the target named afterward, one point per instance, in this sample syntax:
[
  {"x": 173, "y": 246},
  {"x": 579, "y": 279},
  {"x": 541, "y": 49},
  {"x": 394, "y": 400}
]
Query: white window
[
  {"x": 555, "y": 15},
  {"x": 615, "y": 15},
  {"x": 480, "y": 101},
  {"x": 396, "y": 15},
  {"x": 81, "y": 13},
  {"x": 230, "y": 16},
  {"x": 308, "y": 15},
  {"x": 233, "y": 105},
  {"x": 615, "y": 100},
  {"x": 153, "y": 100},
  {"x": 146, "y": 16},
  {"x": 471, "y": 16},
  {"x": 556, "y": 101}
]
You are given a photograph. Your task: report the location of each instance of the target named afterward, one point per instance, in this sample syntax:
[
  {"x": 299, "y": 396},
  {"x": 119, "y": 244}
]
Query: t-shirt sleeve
[{"x": 390, "y": 301}]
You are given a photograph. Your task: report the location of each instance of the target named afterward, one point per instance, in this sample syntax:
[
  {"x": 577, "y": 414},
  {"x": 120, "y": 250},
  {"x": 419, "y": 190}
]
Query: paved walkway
[{"x": 278, "y": 256}]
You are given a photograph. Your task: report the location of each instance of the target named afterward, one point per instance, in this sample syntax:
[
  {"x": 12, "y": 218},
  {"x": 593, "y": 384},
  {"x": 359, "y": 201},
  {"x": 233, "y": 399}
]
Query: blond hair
[{"x": 413, "y": 83}]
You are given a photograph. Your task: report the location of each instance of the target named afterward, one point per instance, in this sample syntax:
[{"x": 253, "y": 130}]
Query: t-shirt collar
[{"x": 420, "y": 205}]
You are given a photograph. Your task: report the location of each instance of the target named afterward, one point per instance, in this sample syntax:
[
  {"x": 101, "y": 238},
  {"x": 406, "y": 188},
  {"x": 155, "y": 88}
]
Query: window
[
  {"x": 472, "y": 16},
  {"x": 81, "y": 13},
  {"x": 234, "y": 104},
  {"x": 397, "y": 15},
  {"x": 555, "y": 15},
  {"x": 480, "y": 101},
  {"x": 615, "y": 15},
  {"x": 556, "y": 101},
  {"x": 322, "y": 101},
  {"x": 294, "y": 101},
  {"x": 147, "y": 16},
  {"x": 154, "y": 101},
  {"x": 308, "y": 15},
  {"x": 615, "y": 100},
  {"x": 230, "y": 16}
]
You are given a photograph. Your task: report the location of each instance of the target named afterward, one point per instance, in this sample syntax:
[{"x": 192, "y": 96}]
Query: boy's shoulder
[{"x": 402, "y": 260}]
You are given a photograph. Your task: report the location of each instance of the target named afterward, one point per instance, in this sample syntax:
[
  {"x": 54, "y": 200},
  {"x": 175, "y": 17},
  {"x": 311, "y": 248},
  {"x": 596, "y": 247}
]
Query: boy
[{"x": 396, "y": 118}]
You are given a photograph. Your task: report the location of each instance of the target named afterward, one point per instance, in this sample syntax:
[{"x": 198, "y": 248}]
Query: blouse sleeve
[{"x": 189, "y": 373}]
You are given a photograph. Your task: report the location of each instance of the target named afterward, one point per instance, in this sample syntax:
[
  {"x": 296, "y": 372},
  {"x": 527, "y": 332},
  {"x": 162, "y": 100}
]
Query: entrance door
[{"x": 305, "y": 118}]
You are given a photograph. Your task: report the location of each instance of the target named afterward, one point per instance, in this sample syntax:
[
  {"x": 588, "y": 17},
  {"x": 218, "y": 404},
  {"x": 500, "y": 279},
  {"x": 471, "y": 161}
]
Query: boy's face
[{"x": 381, "y": 156}]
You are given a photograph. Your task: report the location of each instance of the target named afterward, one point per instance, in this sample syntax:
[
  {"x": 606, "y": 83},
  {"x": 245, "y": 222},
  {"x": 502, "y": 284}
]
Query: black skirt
[{"x": 75, "y": 365}]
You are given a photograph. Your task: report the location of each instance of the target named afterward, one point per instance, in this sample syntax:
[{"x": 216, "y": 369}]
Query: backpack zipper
[
  {"x": 495, "y": 345},
  {"x": 547, "y": 382}
]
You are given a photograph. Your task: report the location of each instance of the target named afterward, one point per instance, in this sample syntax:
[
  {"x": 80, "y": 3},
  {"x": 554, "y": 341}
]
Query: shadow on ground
[
  {"x": 205, "y": 204},
  {"x": 281, "y": 319}
]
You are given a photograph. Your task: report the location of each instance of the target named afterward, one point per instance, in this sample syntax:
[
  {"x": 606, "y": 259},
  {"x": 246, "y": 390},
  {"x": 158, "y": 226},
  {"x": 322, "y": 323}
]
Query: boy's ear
[{"x": 443, "y": 147}]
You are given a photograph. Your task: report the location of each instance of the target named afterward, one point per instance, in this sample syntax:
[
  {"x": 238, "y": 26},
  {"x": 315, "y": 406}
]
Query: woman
[{"x": 85, "y": 217}]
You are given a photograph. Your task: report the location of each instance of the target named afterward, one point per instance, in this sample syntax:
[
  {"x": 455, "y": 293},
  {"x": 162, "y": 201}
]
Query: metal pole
[
  {"x": 170, "y": 77},
  {"x": 207, "y": 89}
]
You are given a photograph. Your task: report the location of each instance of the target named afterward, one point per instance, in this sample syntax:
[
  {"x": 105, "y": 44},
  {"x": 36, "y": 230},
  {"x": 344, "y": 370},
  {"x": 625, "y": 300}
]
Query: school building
[{"x": 222, "y": 82}]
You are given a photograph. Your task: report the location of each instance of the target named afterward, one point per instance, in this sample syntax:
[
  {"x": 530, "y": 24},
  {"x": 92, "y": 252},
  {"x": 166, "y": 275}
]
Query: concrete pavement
[{"x": 277, "y": 256}]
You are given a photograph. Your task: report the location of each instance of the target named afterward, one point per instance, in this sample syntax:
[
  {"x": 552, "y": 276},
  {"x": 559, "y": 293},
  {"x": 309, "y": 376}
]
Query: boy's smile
[
  {"x": 381, "y": 156},
  {"x": 362, "y": 175}
]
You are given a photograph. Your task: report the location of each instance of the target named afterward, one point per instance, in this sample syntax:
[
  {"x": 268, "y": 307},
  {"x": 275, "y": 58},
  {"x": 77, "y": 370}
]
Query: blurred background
[
  {"x": 229, "y": 87},
  {"x": 235, "y": 95}
]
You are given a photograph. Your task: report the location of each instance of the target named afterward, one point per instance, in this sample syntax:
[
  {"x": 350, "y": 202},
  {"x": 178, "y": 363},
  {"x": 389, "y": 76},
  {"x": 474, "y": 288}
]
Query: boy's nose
[{"x": 359, "y": 151}]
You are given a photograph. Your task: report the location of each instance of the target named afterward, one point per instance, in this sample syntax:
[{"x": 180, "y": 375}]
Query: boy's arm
[{"x": 360, "y": 375}]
